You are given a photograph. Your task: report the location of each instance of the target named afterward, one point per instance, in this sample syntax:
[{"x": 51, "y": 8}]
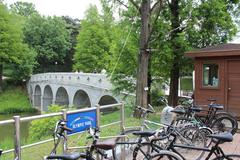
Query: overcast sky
[{"x": 72, "y": 8}]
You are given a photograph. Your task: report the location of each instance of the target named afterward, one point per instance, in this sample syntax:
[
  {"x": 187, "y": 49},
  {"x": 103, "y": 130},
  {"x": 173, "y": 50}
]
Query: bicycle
[
  {"x": 215, "y": 149},
  {"x": 215, "y": 121},
  {"x": 132, "y": 142},
  {"x": 189, "y": 136},
  {"x": 98, "y": 147}
]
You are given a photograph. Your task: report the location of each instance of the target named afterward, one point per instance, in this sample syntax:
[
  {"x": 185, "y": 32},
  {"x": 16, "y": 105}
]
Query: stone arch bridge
[{"x": 70, "y": 89}]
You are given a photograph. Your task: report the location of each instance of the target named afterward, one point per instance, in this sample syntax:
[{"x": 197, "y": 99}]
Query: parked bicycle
[
  {"x": 216, "y": 120},
  {"x": 133, "y": 137},
  {"x": 97, "y": 147},
  {"x": 177, "y": 148},
  {"x": 214, "y": 150}
]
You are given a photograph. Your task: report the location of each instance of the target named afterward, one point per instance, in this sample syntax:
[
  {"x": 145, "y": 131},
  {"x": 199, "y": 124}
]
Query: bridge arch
[
  {"x": 62, "y": 97},
  {"x": 47, "y": 97},
  {"x": 37, "y": 97},
  {"x": 107, "y": 99},
  {"x": 81, "y": 99}
]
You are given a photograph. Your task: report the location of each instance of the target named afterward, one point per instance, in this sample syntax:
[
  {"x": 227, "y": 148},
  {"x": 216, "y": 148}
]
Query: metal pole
[
  {"x": 64, "y": 117},
  {"x": 122, "y": 117},
  {"x": 122, "y": 126},
  {"x": 98, "y": 115},
  {"x": 17, "y": 145},
  {"x": 98, "y": 123}
]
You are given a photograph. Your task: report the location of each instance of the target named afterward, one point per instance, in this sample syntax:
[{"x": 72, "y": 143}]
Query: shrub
[{"x": 43, "y": 128}]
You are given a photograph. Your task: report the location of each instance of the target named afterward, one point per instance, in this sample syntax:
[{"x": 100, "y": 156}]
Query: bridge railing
[
  {"x": 16, "y": 120},
  {"x": 99, "y": 80}
]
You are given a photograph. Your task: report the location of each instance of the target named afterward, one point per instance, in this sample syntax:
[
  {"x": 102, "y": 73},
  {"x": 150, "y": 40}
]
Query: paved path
[{"x": 233, "y": 147}]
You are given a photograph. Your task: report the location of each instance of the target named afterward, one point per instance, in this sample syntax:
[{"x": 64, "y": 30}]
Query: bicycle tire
[
  {"x": 165, "y": 155},
  {"x": 182, "y": 122},
  {"x": 226, "y": 114},
  {"x": 224, "y": 124},
  {"x": 194, "y": 138},
  {"x": 143, "y": 150},
  {"x": 206, "y": 131},
  {"x": 229, "y": 157},
  {"x": 129, "y": 148}
]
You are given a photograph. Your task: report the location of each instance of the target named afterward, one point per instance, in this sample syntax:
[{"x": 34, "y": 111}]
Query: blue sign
[{"x": 81, "y": 121}]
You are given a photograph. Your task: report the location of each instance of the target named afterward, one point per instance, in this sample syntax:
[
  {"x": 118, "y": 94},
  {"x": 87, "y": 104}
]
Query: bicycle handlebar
[
  {"x": 145, "y": 109},
  {"x": 60, "y": 128},
  {"x": 66, "y": 129},
  {"x": 94, "y": 133}
]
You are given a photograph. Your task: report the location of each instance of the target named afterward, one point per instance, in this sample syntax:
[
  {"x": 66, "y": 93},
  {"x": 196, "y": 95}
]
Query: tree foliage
[
  {"x": 49, "y": 38},
  {"x": 12, "y": 48},
  {"x": 181, "y": 26},
  {"x": 93, "y": 43},
  {"x": 73, "y": 26},
  {"x": 24, "y": 9}
]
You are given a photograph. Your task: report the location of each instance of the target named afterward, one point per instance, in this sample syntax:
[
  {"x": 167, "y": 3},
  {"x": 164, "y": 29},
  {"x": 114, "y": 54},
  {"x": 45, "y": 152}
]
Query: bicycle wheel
[
  {"x": 206, "y": 131},
  {"x": 191, "y": 136},
  {"x": 165, "y": 155},
  {"x": 128, "y": 143},
  {"x": 142, "y": 150},
  {"x": 226, "y": 114},
  {"x": 229, "y": 157},
  {"x": 224, "y": 124}
]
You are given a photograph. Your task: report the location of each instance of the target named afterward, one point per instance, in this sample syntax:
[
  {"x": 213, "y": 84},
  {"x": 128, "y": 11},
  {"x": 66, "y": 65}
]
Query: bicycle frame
[{"x": 214, "y": 150}]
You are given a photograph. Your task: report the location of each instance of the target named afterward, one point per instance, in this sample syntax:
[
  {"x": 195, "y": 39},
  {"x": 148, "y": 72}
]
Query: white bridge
[{"x": 70, "y": 89}]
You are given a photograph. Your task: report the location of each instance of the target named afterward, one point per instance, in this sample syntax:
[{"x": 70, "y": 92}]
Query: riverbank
[{"x": 15, "y": 100}]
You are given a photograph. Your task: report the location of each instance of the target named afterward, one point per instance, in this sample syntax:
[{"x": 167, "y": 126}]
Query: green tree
[
  {"x": 24, "y": 9},
  {"x": 49, "y": 38},
  {"x": 12, "y": 48},
  {"x": 194, "y": 25},
  {"x": 92, "y": 43},
  {"x": 73, "y": 26},
  {"x": 175, "y": 27},
  {"x": 22, "y": 71}
]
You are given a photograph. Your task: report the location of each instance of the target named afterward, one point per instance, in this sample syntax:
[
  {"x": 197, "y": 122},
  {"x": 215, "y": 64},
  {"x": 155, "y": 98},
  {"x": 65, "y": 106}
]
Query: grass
[
  {"x": 14, "y": 100},
  {"x": 38, "y": 152},
  {"x": 186, "y": 84}
]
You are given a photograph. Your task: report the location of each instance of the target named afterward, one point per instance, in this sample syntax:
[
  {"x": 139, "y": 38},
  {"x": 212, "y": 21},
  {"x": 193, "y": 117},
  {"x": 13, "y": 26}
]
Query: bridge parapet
[{"x": 89, "y": 79}]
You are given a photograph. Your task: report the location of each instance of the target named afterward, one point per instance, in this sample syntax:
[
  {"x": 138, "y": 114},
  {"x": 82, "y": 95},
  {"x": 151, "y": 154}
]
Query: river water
[{"x": 7, "y": 131}]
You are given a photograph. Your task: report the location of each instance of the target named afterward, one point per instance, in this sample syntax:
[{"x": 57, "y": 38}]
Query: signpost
[{"x": 81, "y": 121}]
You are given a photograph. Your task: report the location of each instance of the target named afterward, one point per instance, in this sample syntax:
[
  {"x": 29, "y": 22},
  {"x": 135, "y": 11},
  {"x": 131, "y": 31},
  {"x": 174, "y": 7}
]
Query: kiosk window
[{"x": 210, "y": 75}]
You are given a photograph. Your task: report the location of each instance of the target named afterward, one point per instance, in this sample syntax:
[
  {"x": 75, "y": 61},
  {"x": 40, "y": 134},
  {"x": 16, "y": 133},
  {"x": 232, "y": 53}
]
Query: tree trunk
[
  {"x": 143, "y": 57},
  {"x": 173, "y": 95},
  {"x": 149, "y": 80},
  {"x": 1, "y": 77},
  {"x": 175, "y": 70}
]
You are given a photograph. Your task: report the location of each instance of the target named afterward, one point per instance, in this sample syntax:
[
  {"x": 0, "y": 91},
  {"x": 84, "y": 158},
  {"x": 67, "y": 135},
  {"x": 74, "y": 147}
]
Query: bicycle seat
[
  {"x": 196, "y": 109},
  {"x": 107, "y": 144},
  {"x": 67, "y": 156},
  {"x": 178, "y": 111},
  {"x": 224, "y": 137},
  {"x": 144, "y": 133},
  {"x": 216, "y": 106}
]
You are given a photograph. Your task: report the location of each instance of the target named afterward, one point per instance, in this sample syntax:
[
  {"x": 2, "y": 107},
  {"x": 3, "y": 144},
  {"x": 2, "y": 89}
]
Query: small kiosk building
[{"x": 217, "y": 75}]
